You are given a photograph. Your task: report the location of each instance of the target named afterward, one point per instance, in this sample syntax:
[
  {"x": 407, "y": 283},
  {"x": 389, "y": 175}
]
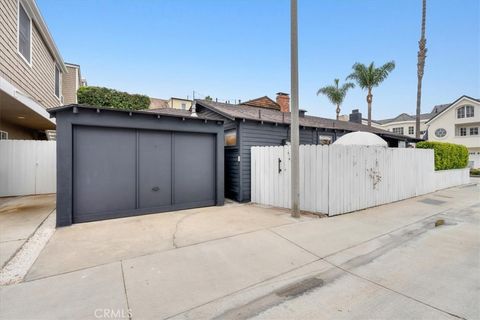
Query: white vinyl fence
[
  {"x": 27, "y": 167},
  {"x": 337, "y": 179}
]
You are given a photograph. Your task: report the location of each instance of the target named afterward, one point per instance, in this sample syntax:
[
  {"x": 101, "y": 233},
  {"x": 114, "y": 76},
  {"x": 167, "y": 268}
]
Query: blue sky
[{"x": 239, "y": 49}]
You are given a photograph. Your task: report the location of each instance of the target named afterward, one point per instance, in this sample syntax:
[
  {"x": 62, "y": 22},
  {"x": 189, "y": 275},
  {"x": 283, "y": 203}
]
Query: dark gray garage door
[{"x": 116, "y": 171}]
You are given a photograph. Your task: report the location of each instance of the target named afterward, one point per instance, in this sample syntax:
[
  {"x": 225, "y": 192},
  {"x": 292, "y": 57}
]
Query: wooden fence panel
[
  {"x": 339, "y": 179},
  {"x": 27, "y": 167}
]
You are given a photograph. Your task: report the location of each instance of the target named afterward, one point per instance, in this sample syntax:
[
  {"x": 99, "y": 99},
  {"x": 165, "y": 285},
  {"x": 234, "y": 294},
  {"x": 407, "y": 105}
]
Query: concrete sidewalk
[
  {"x": 243, "y": 261},
  {"x": 19, "y": 218}
]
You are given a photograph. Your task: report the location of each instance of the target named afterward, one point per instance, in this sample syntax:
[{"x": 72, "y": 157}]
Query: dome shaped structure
[{"x": 361, "y": 138}]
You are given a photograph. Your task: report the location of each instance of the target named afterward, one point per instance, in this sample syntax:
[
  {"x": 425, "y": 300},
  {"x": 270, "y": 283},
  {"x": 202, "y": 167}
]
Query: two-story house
[
  {"x": 405, "y": 123},
  {"x": 459, "y": 122},
  {"x": 32, "y": 72}
]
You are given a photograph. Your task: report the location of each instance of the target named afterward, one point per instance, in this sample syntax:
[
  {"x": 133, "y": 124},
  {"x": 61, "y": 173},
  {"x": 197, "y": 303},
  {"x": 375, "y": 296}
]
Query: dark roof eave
[
  {"x": 54, "y": 110},
  {"x": 215, "y": 110}
]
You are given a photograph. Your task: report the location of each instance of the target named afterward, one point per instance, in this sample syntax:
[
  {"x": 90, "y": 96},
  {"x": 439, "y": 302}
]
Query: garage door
[{"x": 122, "y": 172}]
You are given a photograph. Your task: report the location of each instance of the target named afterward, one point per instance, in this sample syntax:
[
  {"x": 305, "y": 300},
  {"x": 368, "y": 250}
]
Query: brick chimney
[{"x": 283, "y": 99}]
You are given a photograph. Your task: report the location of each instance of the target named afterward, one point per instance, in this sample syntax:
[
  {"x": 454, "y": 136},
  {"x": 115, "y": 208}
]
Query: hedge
[
  {"x": 105, "y": 97},
  {"x": 447, "y": 155}
]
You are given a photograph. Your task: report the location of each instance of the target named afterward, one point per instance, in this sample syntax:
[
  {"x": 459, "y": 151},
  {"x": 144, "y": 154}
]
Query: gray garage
[{"x": 115, "y": 163}]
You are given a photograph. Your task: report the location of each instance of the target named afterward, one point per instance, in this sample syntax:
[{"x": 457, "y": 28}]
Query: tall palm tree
[
  {"x": 368, "y": 77},
  {"x": 335, "y": 93},
  {"x": 422, "y": 54}
]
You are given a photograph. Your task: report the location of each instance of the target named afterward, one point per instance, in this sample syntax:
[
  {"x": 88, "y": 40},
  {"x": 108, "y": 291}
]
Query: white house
[
  {"x": 405, "y": 123},
  {"x": 458, "y": 123}
]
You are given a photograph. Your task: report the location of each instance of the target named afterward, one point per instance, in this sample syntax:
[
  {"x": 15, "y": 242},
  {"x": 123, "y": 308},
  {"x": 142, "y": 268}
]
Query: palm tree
[
  {"x": 335, "y": 93},
  {"x": 422, "y": 54},
  {"x": 368, "y": 77}
]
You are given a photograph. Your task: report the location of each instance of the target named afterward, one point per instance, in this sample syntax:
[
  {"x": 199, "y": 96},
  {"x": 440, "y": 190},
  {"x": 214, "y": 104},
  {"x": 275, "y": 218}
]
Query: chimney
[
  {"x": 301, "y": 113},
  {"x": 193, "y": 109},
  {"x": 355, "y": 116},
  {"x": 283, "y": 99}
]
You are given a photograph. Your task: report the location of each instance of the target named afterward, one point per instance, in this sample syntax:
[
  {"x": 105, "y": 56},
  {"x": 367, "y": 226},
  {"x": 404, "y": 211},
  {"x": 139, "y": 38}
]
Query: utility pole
[{"x": 294, "y": 124}]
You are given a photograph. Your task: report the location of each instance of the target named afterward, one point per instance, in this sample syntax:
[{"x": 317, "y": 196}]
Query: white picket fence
[
  {"x": 338, "y": 179},
  {"x": 27, "y": 167}
]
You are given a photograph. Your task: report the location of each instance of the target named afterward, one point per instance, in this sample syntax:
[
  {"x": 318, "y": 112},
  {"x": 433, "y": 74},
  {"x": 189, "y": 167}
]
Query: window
[
  {"x": 57, "y": 81},
  {"x": 24, "y": 34},
  {"x": 462, "y": 132},
  {"x": 184, "y": 106},
  {"x": 231, "y": 138},
  {"x": 411, "y": 130},
  {"x": 398, "y": 130},
  {"x": 440, "y": 133},
  {"x": 466, "y": 112},
  {"x": 469, "y": 111},
  {"x": 474, "y": 131},
  {"x": 3, "y": 135},
  {"x": 324, "y": 140}
]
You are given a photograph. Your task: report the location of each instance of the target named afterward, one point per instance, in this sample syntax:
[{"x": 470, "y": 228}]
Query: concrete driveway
[{"x": 244, "y": 261}]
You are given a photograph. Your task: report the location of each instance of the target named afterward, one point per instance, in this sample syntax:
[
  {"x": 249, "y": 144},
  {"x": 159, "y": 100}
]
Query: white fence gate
[
  {"x": 338, "y": 179},
  {"x": 27, "y": 167}
]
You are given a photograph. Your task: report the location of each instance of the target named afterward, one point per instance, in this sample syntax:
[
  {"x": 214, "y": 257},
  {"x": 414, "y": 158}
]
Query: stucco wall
[
  {"x": 177, "y": 103},
  {"x": 37, "y": 80}
]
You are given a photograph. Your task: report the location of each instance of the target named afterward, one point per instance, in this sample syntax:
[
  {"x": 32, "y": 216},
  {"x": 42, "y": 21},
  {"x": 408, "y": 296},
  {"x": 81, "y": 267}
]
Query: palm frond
[{"x": 334, "y": 93}]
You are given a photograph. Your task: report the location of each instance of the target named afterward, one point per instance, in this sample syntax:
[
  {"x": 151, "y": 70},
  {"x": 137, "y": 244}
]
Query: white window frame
[
  {"x": 55, "y": 68},
  {"x": 398, "y": 130},
  {"x": 472, "y": 114},
  {"x": 462, "y": 110},
  {"x": 460, "y": 131},
  {"x": 473, "y": 129},
  {"x": 29, "y": 63},
  {"x": 412, "y": 129},
  {"x": 440, "y": 130},
  {"x": 3, "y": 133}
]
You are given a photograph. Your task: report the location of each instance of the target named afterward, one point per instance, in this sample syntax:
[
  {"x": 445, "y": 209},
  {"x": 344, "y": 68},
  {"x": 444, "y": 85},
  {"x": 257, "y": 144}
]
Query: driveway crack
[{"x": 177, "y": 225}]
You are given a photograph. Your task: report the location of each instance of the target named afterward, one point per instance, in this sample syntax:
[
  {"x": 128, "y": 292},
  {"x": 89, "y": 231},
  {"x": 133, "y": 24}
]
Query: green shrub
[
  {"x": 475, "y": 172},
  {"x": 105, "y": 97},
  {"x": 447, "y": 155}
]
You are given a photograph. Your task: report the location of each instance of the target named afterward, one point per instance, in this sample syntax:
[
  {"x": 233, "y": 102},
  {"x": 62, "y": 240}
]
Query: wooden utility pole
[
  {"x": 422, "y": 54},
  {"x": 294, "y": 123}
]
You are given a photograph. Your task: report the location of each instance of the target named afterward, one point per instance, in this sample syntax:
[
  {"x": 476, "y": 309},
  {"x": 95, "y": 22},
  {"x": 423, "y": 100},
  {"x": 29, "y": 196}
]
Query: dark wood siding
[{"x": 267, "y": 134}]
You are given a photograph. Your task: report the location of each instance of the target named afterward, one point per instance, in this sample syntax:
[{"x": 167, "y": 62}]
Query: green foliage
[
  {"x": 475, "y": 172},
  {"x": 447, "y": 155},
  {"x": 208, "y": 98},
  {"x": 369, "y": 76},
  {"x": 105, "y": 97},
  {"x": 335, "y": 93}
]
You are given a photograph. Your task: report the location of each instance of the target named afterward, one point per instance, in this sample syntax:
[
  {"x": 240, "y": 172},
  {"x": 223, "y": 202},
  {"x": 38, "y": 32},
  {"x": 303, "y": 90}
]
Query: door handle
[
  {"x": 155, "y": 188},
  {"x": 279, "y": 165}
]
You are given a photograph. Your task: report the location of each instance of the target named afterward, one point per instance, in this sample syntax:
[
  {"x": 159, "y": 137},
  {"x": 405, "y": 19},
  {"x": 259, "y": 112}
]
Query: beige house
[
  {"x": 31, "y": 72},
  {"x": 458, "y": 122},
  {"x": 71, "y": 81},
  {"x": 176, "y": 103}
]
